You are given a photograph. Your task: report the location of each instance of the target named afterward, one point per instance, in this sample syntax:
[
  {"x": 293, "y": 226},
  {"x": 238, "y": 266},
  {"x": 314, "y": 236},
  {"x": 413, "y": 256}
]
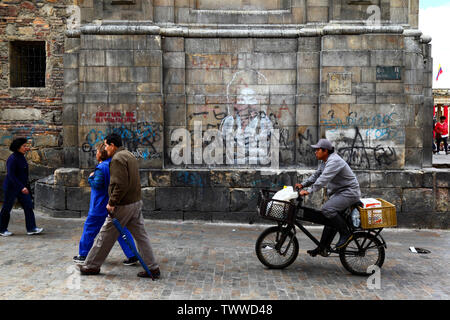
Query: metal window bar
[{"x": 28, "y": 67}]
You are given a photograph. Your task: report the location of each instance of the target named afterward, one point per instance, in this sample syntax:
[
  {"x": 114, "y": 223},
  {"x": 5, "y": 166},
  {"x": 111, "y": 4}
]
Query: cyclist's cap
[{"x": 323, "y": 144}]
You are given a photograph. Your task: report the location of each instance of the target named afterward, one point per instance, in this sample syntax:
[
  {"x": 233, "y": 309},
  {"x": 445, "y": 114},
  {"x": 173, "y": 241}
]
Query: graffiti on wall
[
  {"x": 243, "y": 114},
  {"x": 378, "y": 126},
  {"x": 360, "y": 156},
  {"x": 139, "y": 138},
  {"x": 365, "y": 142}
]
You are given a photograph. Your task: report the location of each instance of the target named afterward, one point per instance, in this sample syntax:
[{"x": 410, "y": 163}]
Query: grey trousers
[
  {"x": 131, "y": 217},
  {"x": 337, "y": 203}
]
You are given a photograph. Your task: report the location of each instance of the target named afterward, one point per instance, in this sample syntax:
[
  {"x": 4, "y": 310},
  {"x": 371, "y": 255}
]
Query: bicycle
[{"x": 277, "y": 247}]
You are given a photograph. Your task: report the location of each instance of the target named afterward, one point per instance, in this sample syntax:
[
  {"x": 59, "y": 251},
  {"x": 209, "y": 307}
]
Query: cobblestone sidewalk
[{"x": 213, "y": 261}]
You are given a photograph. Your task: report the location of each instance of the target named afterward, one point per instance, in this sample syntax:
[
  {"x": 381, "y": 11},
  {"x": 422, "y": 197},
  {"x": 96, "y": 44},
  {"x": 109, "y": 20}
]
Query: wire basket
[
  {"x": 381, "y": 217},
  {"x": 276, "y": 210}
]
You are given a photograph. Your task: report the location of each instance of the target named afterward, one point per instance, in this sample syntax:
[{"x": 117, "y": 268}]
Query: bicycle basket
[
  {"x": 276, "y": 210},
  {"x": 381, "y": 217}
]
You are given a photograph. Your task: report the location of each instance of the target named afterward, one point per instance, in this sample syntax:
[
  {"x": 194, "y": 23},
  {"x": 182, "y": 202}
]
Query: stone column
[
  {"x": 428, "y": 103},
  {"x": 414, "y": 83},
  {"x": 307, "y": 100},
  {"x": 70, "y": 101}
]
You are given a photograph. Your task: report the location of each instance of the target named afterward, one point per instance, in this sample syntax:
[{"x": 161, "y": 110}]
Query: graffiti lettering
[
  {"x": 115, "y": 117},
  {"x": 359, "y": 156},
  {"x": 378, "y": 125}
]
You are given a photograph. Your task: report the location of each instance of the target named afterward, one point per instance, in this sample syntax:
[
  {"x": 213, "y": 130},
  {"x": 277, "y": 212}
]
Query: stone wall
[
  {"x": 292, "y": 71},
  {"x": 420, "y": 196},
  {"x": 35, "y": 113}
]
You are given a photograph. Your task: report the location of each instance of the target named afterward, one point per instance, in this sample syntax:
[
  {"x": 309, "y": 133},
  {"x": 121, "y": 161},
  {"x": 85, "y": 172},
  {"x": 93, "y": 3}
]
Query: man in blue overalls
[{"x": 99, "y": 182}]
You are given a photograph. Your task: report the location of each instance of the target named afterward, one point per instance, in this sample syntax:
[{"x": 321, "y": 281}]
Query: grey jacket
[{"x": 336, "y": 175}]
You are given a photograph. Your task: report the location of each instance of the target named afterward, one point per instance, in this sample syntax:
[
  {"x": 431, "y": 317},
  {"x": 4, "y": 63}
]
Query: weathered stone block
[
  {"x": 418, "y": 200},
  {"x": 212, "y": 199},
  {"x": 275, "y": 45},
  {"x": 194, "y": 179},
  {"x": 442, "y": 196},
  {"x": 198, "y": 45},
  {"x": 386, "y": 58},
  {"x": 393, "y": 179},
  {"x": 148, "y": 198},
  {"x": 78, "y": 199},
  {"x": 308, "y": 59},
  {"x": 48, "y": 140},
  {"x": 26, "y": 114},
  {"x": 147, "y": 58},
  {"x": 225, "y": 178},
  {"x": 173, "y": 44},
  {"x": 92, "y": 58},
  {"x": 175, "y": 199},
  {"x": 50, "y": 196},
  {"x": 236, "y": 45},
  {"x": 159, "y": 178},
  {"x": 119, "y": 58},
  {"x": 309, "y": 44},
  {"x": 345, "y": 58},
  {"x": 442, "y": 179},
  {"x": 243, "y": 199},
  {"x": 69, "y": 177}
]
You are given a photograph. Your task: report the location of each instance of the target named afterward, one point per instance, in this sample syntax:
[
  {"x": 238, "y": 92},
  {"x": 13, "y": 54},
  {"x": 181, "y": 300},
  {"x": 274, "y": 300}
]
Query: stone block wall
[
  {"x": 253, "y": 12},
  {"x": 420, "y": 196},
  {"x": 307, "y": 69},
  {"x": 120, "y": 79}
]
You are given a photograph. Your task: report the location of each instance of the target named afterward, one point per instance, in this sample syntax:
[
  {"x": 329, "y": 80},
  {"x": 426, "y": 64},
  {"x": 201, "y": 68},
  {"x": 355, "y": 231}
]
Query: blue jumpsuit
[{"x": 99, "y": 183}]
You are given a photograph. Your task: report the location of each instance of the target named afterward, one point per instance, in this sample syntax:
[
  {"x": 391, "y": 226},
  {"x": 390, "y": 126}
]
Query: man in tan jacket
[{"x": 125, "y": 204}]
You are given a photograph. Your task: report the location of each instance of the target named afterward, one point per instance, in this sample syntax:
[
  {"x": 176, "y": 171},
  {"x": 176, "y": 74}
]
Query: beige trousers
[{"x": 129, "y": 216}]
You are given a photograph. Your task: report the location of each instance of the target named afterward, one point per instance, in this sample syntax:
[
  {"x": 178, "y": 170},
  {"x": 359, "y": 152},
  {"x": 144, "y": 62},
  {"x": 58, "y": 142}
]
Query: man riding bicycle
[{"x": 342, "y": 190}]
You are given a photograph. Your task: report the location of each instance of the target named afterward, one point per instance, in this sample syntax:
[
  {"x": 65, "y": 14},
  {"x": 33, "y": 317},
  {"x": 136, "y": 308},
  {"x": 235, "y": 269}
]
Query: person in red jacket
[{"x": 441, "y": 130}]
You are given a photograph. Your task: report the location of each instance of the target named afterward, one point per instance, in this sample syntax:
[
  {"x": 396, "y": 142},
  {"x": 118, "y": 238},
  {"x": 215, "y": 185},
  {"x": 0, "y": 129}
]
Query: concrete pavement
[{"x": 213, "y": 261}]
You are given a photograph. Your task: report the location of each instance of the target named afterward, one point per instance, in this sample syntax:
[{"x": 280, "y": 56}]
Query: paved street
[{"x": 213, "y": 261}]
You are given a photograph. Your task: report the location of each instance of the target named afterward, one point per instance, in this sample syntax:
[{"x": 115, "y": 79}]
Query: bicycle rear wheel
[
  {"x": 266, "y": 248},
  {"x": 363, "y": 251}
]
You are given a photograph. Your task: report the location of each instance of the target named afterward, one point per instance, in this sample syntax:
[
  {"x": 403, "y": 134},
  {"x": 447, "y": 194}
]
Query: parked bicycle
[{"x": 277, "y": 247}]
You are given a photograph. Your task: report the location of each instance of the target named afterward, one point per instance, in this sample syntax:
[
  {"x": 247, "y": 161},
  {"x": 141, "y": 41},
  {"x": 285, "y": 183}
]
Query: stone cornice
[{"x": 246, "y": 31}]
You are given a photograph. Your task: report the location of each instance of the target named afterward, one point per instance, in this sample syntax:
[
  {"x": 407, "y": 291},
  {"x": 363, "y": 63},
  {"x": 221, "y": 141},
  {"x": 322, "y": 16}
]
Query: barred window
[{"x": 27, "y": 63}]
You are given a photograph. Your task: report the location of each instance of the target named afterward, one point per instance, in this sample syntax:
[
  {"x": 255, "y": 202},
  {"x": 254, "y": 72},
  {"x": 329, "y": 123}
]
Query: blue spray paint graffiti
[
  {"x": 379, "y": 126},
  {"x": 190, "y": 179},
  {"x": 134, "y": 137}
]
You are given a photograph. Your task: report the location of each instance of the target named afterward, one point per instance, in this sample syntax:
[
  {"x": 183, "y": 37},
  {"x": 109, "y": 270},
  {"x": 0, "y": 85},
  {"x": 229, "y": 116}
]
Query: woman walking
[
  {"x": 16, "y": 186},
  {"x": 99, "y": 182}
]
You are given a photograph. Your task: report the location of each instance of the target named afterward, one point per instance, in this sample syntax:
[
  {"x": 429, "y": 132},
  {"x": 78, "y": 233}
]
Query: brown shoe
[
  {"x": 85, "y": 271},
  {"x": 155, "y": 273}
]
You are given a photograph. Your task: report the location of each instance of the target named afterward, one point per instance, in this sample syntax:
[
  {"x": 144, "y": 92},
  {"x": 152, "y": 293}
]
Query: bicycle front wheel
[
  {"x": 363, "y": 251},
  {"x": 267, "y": 248}
]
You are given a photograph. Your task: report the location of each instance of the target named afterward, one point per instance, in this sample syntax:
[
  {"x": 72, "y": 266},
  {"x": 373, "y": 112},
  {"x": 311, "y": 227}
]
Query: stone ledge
[
  {"x": 244, "y": 31},
  {"x": 420, "y": 196}
]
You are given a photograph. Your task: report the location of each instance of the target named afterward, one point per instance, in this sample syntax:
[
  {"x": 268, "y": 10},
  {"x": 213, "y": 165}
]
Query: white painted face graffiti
[{"x": 248, "y": 124}]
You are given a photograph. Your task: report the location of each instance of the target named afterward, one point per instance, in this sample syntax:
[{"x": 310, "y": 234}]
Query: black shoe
[
  {"x": 314, "y": 252},
  {"x": 345, "y": 236},
  {"x": 131, "y": 261},
  {"x": 79, "y": 259},
  {"x": 344, "y": 240},
  {"x": 323, "y": 252},
  {"x": 156, "y": 274},
  {"x": 327, "y": 237}
]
